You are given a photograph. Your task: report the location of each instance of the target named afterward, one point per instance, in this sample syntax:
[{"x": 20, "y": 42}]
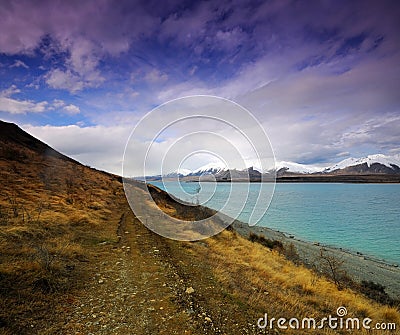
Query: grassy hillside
[{"x": 75, "y": 260}]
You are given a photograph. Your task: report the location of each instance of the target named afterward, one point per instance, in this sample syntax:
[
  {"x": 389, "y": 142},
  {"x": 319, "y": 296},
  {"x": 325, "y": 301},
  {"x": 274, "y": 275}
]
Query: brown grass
[
  {"x": 275, "y": 285},
  {"x": 50, "y": 211},
  {"x": 55, "y": 216}
]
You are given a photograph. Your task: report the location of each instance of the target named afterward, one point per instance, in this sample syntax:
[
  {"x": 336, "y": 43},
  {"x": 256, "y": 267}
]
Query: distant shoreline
[
  {"x": 298, "y": 178},
  {"x": 353, "y": 179}
]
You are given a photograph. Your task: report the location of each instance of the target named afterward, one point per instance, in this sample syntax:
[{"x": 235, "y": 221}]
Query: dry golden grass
[
  {"x": 55, "y": 217},
  {"x": 280, "y": 288},
  {"x": 51, "y": 210}
]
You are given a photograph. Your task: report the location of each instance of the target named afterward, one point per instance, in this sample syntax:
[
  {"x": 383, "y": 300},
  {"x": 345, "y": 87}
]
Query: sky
[{"x": 321, "y": 77}]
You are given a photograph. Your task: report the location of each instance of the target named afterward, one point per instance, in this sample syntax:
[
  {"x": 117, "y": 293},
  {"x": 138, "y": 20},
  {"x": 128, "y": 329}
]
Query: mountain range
[{"x": 372, "y": 168}]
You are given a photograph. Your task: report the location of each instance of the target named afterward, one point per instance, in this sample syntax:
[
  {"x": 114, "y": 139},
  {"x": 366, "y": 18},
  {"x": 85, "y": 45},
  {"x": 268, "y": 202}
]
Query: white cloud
[
  {"x": 72, "y": 81},
  {"x": 103, "y": 147},
  {"x": 10, "y": 91},
  {"x": 57, "y": 103},
  {"x": 33, "y": 85},
  {"x": 81, "y": 67},
  {"x": 15, "y": 106},
  {"x": 61, "y": 105},
  {"x": 99, "y": 146},
  {"x": 72, "y": 109},
  {"x": 64, "y": 80},
  {"x": 19, "y": 63}
]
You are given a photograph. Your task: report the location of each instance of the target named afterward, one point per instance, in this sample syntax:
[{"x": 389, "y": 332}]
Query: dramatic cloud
[{"x": 322, "y": 77}]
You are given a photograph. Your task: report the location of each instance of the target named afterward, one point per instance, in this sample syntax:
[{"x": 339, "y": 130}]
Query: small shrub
[
  {"x": 271, "y": 244},
  {"x": 44, "y": 257},
  {"x": 332, "y": 266},
  {"x": 291, "y": 254},
  {"x": 375, "y": 291}
]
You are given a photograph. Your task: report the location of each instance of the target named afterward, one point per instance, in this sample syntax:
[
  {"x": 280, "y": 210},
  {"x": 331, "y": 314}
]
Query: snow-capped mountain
[
  {"x": 215, "y": 168},
  {"x": 178, "y": 173},
  {"x": 184, "y": 172},
  {"x": 372, "y": 164},
  {"x": 296, "y": 167},
  {"x": 210, "y": 168},
  {"x": 375, "y": 163}
]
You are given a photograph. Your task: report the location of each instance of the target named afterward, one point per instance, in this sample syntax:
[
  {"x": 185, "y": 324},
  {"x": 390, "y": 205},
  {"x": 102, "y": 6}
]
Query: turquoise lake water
[{"x": 357, "y": 217}]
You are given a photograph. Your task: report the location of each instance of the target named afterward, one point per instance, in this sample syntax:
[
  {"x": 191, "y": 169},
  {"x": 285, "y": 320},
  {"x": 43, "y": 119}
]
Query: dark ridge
[
  {"x": 13, "y": 139},
  {"x": 11, "y": 134}
]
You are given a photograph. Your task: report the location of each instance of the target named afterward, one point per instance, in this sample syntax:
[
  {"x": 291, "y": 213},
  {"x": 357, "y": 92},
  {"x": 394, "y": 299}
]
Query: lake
[{"x": 357, "y": 217}]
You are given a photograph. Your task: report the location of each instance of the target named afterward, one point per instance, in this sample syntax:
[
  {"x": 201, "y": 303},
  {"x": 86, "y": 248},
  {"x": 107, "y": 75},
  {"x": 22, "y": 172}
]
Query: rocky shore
[{"x": 358, "y": 266}]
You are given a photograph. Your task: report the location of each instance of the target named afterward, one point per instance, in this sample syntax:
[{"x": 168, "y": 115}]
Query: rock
[
  {"x": 101, "y": 281},
  {"x": 189, "y": 290}
]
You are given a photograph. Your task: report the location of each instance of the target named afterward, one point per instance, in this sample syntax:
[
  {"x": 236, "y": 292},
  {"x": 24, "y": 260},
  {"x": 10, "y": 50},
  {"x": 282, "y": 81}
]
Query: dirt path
[
  {"x": 131, "y": 292},
  {"x": 146, "y": 284}
]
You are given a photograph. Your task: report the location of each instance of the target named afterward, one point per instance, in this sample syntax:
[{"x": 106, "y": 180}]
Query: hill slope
[
  {"x": 13, "y": 139},
  {"x": 71, "y": 248}
]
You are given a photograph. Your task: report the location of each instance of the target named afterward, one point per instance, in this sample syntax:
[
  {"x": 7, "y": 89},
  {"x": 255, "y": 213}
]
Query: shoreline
[
  {"x": 372, "y": 178},
  {"x": 352, "y": 252},
  {"x": 358, "y": 266},
  {"x": 289, "y": 180}
]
